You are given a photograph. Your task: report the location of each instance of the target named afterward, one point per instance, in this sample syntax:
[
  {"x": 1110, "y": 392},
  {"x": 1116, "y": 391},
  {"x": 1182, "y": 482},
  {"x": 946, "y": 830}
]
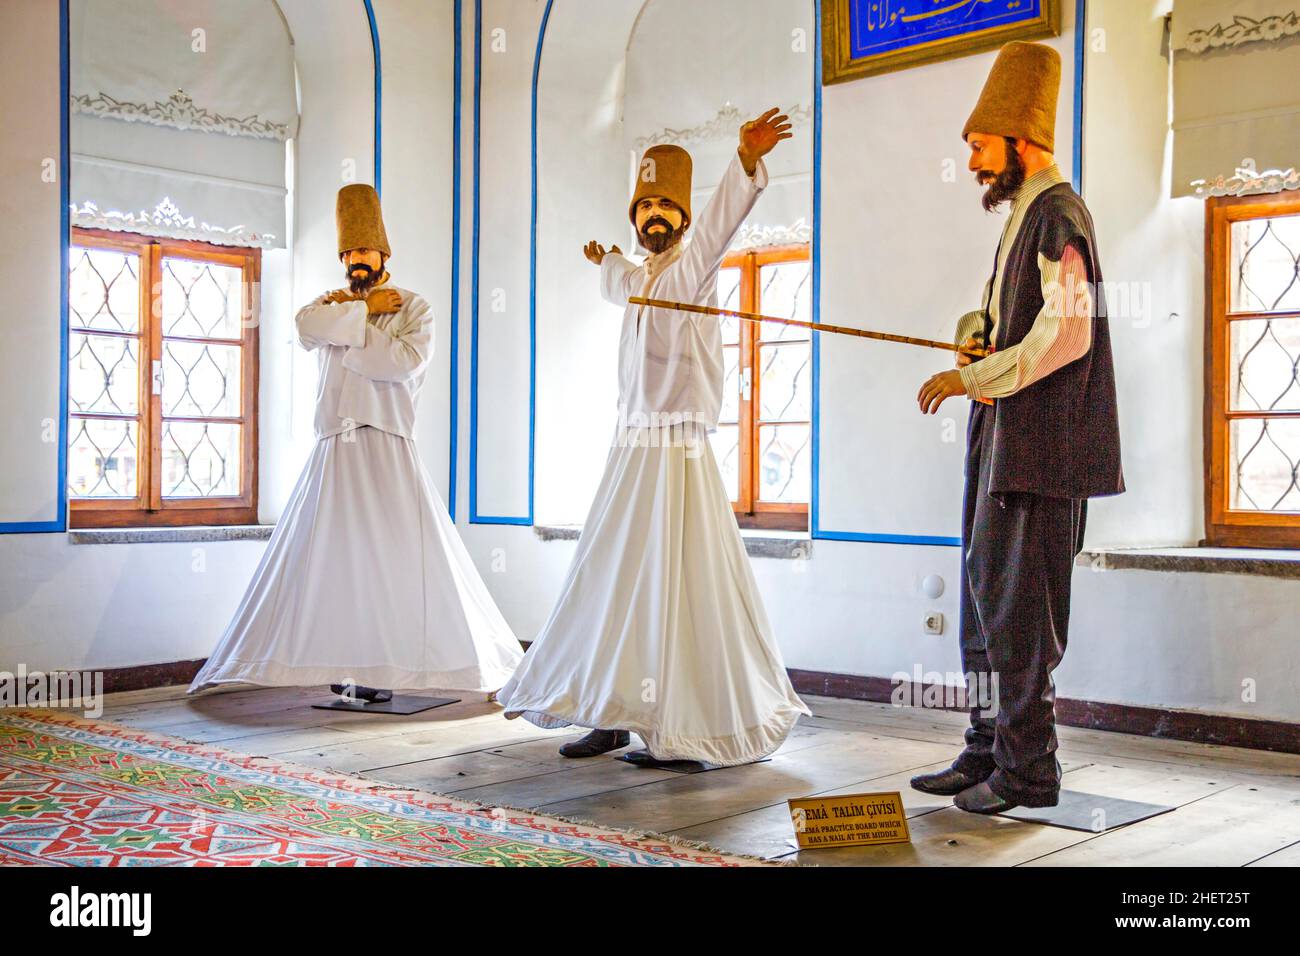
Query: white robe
[
  {"x": 365, "y": 579},
  {"x": 660, "y": 628}
]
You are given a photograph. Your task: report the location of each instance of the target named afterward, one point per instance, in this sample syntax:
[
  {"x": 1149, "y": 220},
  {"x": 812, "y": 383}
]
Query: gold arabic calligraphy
[{"x": 885, "y": 13}]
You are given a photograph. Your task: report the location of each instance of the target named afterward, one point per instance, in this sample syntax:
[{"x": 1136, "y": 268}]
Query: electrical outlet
[{"x": 933, "y": 623}]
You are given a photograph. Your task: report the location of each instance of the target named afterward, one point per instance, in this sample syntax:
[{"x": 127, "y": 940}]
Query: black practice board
[
  {"x": 1079, "y": 811},
  {"x": 679, "y": 766},
  {"x": 400, "y": 704}
]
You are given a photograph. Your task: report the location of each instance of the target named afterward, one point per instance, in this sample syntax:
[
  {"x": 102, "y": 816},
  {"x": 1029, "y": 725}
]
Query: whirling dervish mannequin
[
  {"x": 659, "y": 628},
  {"x": 365, "y": 584}
]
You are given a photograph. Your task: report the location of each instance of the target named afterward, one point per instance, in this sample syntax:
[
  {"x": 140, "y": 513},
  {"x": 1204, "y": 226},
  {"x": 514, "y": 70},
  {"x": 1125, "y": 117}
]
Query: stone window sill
[
  {"x": 780, "y": 545},
  {"x": 1262, "y": 563},
  {"x": 160, "y": 535}
]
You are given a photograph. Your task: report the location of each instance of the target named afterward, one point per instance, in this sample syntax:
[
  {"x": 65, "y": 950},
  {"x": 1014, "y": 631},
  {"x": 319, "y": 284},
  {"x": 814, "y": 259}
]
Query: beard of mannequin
[
  {"x": 362, "y": 278},
  {"x": 657, "y": 242},
  {"x": 1003, "y": 186}
]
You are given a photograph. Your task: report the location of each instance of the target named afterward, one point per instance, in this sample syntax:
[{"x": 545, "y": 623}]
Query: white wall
[
  {"x": 907, "y": 247},
  {"x": 582, "y": 171},
  {"x": 1155, "y": 247},
  {"x": 65, "y": 605},
  {"x": 416, "y": 39},
  {"x": 30, "y": 203},
  {"x": 509, "y": 41},
  {"x": 904, "y": 248}
]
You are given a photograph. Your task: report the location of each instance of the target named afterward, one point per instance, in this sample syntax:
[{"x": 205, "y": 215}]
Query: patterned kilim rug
[{"x": 75, "y": 792}]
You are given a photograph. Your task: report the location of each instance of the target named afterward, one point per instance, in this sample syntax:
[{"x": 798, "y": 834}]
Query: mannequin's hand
[
  {"x": 596, "y": 253},
  {"x": 339, "y": 295},
  {"x": 938, "y": 389},
  {"x": 964, "y": 357},
  {"x": 383, "y": 301},
  {"x": 759, "y": 137}
]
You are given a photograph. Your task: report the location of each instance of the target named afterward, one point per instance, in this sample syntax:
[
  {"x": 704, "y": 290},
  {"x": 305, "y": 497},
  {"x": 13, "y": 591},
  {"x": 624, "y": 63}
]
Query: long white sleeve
[
  {"x": 616, "y": 278},
  {"x": 331, "y": 323},
  {"x": 398, "y": 354},
  {"x": 714, "y": 231}
]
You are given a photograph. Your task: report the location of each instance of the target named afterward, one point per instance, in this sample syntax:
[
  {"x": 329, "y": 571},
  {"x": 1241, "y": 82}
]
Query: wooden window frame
[
  {"x": 149, "y": 508},
  {"x": 1225, "y": 526},
  {"x": 749, "y": 510}
]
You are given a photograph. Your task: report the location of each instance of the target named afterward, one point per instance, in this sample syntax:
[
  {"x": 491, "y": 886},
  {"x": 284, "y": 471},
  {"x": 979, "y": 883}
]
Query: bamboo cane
[{"x": 815, "y": 326}]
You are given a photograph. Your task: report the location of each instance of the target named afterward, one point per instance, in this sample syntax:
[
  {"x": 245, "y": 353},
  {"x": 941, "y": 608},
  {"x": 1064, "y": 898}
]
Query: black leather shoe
[
  {"x": 370, "y": 695},
  {"x": 596, "y": 743},
  {"x": 981, "y": 799},
  {"x": 945, "y": 783}
]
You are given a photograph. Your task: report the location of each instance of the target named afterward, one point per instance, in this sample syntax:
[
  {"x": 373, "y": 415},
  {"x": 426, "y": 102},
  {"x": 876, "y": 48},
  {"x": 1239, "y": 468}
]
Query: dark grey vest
[{"x": 1060, "y": 435}]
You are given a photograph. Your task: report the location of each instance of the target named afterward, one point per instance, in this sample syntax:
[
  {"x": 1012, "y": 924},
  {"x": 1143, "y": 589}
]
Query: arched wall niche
[{"x": 613, "y": 80}]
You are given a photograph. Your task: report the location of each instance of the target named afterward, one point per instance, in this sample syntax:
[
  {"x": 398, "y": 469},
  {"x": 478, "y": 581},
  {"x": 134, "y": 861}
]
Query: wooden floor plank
[
  {"x": 687, "y": 800},
  {"x": 1287, "y": 856},
  {"x": 460, "y": 773},
  {"x": 767, "y": 832},
  {"x": 1232, "y": 826},
  {"x": 1235, "y": 806},
  {"x": 457, "y": 738}
]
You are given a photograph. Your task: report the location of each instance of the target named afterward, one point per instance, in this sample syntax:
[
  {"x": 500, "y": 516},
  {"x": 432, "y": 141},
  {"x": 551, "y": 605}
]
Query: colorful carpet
[{"x": 75, "y": 792}]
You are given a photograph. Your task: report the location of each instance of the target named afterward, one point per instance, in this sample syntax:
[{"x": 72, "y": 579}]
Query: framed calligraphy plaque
[{"x": 864, "y": 37}]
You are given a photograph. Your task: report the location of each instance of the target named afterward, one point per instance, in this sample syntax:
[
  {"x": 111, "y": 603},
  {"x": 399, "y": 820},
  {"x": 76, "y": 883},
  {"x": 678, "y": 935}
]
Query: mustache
[
  {"x": 660, "y": 220},
  {"x": 360, "y": 267}
]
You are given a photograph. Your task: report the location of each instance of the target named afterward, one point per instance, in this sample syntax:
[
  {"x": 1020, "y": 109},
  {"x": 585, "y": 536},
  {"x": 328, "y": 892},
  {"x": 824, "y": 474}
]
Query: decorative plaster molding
[
  {"x": 166, "y": 221},
  {"x": 757, "y": 235},
  {"x": 1243, "y": 30},
  {"x": 1247, "y": 181},
  {"x": 727, "y": 121},
  {"x": 179, "y": 112}
]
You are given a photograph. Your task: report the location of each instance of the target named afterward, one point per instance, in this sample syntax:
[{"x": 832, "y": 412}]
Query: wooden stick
[{"x": 815, "y": 326}]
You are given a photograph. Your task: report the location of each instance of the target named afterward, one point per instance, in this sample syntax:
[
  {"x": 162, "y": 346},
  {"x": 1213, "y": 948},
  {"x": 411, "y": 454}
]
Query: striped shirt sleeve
[
  {"x": 1061, "y": 333},
  {"x": 972, "y": 323}
]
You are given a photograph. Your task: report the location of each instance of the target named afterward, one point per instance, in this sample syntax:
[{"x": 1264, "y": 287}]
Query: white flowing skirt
[
  {"x": 365, "y": 580},
  {"x": 660, "y": 628}
]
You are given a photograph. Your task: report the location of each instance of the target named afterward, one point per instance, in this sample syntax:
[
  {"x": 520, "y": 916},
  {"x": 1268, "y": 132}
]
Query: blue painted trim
[
  {"x": 379, "y": 98},
  {"x": 454, "y": 376},
  {"x": 532, "y": 272},
  {"x": 474, "y": 516},
  {"x": 1080, "y": 72},
  {"x": 814, "y": 511},
  {"x": 60, "y": 522},
  {"x": 816, "y": 531},
  {"x": 932, "y": 540},
  {"x": 65, "y": 230},
  {"x": 474, "y": 269}
]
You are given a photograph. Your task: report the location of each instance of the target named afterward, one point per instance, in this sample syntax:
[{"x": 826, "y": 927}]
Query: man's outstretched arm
[{"x": 744, "y": 181}]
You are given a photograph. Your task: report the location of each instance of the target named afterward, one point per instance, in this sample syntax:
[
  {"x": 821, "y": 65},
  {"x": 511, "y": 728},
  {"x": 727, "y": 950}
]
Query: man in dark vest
[{"x": 1043, "y": 439}]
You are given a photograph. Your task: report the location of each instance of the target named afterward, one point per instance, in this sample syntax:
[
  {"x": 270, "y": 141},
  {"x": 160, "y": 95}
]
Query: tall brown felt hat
[
  {"x": 1019, "y": 98},
  {"x": 360, "y": 219},
  {"x": 665, "y": 171}
]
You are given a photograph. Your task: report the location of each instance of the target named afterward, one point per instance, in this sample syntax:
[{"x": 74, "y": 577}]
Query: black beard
[
  {"x": 362, "y": 278},
  {"x": 1006, "y": 184},
  {"x": 657, "y": 242}
]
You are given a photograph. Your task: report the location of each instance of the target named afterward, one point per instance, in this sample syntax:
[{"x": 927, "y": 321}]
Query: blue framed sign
[{"x": 865, "y": 37}]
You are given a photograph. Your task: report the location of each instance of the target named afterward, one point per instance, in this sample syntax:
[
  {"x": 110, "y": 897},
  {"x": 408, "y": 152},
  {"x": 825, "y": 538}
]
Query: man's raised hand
[
  {"x": 759, "y": 137},
  {"x": 596, "y": 253}
]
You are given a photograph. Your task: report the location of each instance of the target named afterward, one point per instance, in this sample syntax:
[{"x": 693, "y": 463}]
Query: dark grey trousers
[{"x": 1019, "y": 552}]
